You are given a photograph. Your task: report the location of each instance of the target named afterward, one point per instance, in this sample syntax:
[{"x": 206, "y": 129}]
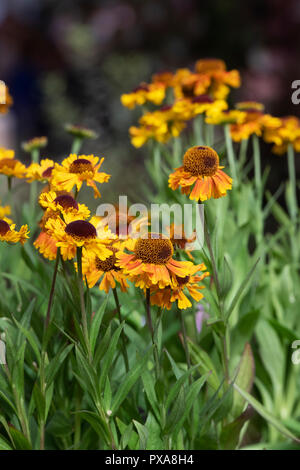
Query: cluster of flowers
[
  {"x": 151, "y": 262},
  {"x": 186, "y": 94}
]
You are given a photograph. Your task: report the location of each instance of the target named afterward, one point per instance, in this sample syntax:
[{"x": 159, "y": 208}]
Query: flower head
[
  {"x": 190, "y": 284},
  {"x": 95, "y": 269},
  {"x": 150, "y": 262},
  {"x": 10, "y": 166},
  {"x": 63, "y": 204},
  {"x": 40, "y": 171},
  {"x": 46, "y": 245},
  {"x": 201, "y": 169},
  {"x": 153, "y": 93},
  {"x": 80, "y": 132},
  {"x": 70, "y": 234},
  {"x": 4, "y": 211},
  {"x": 9, "y": 234},
  {"x": 287, "y": 131},
  {"x": 74, "y": 171},
  {"x": 35, "y": 144}
]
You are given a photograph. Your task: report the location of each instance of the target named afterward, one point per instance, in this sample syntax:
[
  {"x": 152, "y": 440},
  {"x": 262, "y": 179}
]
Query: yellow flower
[
  {"x": 286, "y": 132},
  {"x": 188, "y": 84},
  {"x": 231, "y": 116},
  {"x": 35, "y": 144},
  {"x": 201, "y": 169},
  {"x": 63, "y": 204},
  {"x": 159, "y": 125},
  {"x": 150, "y": 262},
  {"x": 9, "y": 234},
  {"x": 95, "y": 269},
  {"x": 6, "y": 100},
  {"x": 204, "y": 103},
  {"x": 40, "y": 171},
  {"x": 154, "y": 93},
  {"x": 4, "y": 211},
  {"x": 190, "y": 284},
  {"x": 9, "y": 166},
  {"x": 74, "y": 171},
  {"x": 78, "y": 233}
]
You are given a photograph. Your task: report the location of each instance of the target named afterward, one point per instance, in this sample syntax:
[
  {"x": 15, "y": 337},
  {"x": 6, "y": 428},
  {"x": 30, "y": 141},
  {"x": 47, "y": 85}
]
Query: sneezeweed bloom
[
  {"x": 10, "y": 235},
  {"x": 74, "y": 171},
  {"x": 63, "y": 204},
  {"x": 166, "y": 77},
  {"x": 10, "y": 166},
  {"x": 4, "y": 211},
  {"x": 150, "y": 262},
  {"x": 222, "y": 117},
  {"x": 36, "y": 143},
  {"x": 177, "y": 292},
  {"x": 105, "y": 271},
  {"x": 254, "y": 122},
  {"x": 80, "y": 132},
  {"x": 201, "y": 171},
  {"x": 71, "y": 234},
  {"x": 154, "y": 93},
  {"x": 41, "y": 171},
  {"x": 158, "y": 125},
  {"x": 285, "y": 133},
  {"x": 220, "y": 79},
  {"x": 6, "y": 100}
]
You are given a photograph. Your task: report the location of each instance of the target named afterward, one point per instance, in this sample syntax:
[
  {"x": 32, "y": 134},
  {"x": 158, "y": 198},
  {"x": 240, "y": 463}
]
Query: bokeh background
[{"x": 69, "y": 61}]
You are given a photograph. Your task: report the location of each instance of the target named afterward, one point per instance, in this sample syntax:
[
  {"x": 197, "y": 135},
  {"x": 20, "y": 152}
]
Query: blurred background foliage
[{"x": 69, "y": 61}]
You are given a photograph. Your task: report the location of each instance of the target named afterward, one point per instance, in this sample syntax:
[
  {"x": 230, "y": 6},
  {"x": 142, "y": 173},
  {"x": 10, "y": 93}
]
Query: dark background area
[{"x": 69, "y": 61}]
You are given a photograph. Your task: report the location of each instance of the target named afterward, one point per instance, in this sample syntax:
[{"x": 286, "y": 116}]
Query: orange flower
[
  {"x": 153, "y": 92},
  {"x": 150, "y": 262},
  {"x": 46, "y": 245},
  {"x": 201, "y": 169},
  {"x": 6, "y": 100},
  {"x": 9, "y": 166},
  {"x": 177, "y": 293}
]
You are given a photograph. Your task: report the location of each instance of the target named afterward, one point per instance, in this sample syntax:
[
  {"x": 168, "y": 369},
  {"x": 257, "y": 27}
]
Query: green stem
[
  {"x": 150, "y": 325},
  {"x": 293, "y": 184},
  {"x": 198, "y": 123},
  {"x": 230, "y": 153},
  {"x": 185, "y": 343},
  {"x": 35, "y": 157},
  {"x": 257, "y": 165},
  {"x": 211, "y": 253},
  {"x": 124, "y": 351},
  {"x": 243, "y": 153},
  {"x": 82, "y": 304},
  {"x": 76, "y": 145},
  {"x": 51, "y": 296}
]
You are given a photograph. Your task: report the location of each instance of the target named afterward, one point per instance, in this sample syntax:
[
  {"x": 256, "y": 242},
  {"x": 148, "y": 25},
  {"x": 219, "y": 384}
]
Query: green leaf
[
  {"x": 4, "y": 445},
  {"x": 96, "y": 323},
  {"x": 265, "y": 414},
  {"x": 149, "y": 388},
  {"x": 128, "y": 382},
  {"x": 143, "y": 434},
  {"x": 108, "y": 357},
  {"x": 19, "y": 440},
  {"x": 54, "y": 366},
  {"x": 240, "y": 291},
  {"x": 199, "y": 356},
  {"x": 244, "y": 379}
]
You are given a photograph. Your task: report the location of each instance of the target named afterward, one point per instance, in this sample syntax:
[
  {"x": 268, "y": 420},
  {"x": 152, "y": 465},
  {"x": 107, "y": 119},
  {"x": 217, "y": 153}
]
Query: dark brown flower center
[
  {"x": 155, "y": 249},
  {"x": 48, "y": 172},
  {"x": 202, "y": 99},
  {"x": 4, "y": 227},
  {"x": 201, "y": 161},
  {"x": 81, "y": 165},
  {"x": 108, "y": 264},
  {"x": 81, "y": 229},
  {"x": 66, "y": 201},
  {"x": 182, "y": 280}
]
